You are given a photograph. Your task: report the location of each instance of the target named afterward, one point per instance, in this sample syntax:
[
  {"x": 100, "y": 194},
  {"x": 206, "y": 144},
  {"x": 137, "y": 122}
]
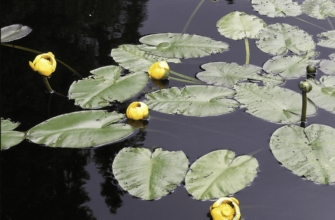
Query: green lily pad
[
  {"x": 307, "y": 152},
  {"x": 181, "y": 45},
  {"x": 272, "y": 103},
  {"x": 328, "y": 39},
  {"x": 277, "y": 39},
  {"x": 149, "y": 175},
  {"x": 229, "y": 74},
  {"x": 106, "y": 86},
  {"x": 219, "y": 173},
  {"x": 277, "y": 8},
  {"x": 10, "y": 138},
  {"x": 319, "y": 9},
  {"x": 238, "y": 25},
  {"x": 198, "y": 101},
  {"x": 14, "y": 32},
  {"x": 80, "y": 129},
  {"x": 8, "y": 125},
  {"x": 328, "y": 66},
  {"x": 323, "y": 93}
]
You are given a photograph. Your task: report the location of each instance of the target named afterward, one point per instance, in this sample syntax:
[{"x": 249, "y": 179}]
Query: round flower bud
[
  {"x": 138, "y": 111},
  {"x": 226, "y": 209},
  {"x": 159, "y": 70},
  {"x": 44, "y": 63},
  {"x": 305, "y": 86},
  {"x": 311, "y": 69}
]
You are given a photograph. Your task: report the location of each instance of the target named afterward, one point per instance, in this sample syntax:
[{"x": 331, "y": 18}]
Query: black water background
[{"x": 45, "y": 183}]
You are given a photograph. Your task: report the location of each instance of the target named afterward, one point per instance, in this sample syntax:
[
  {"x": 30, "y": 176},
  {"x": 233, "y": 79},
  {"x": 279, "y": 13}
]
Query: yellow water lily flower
[
  {"x": 138, "y": 111},
  {"x": 44, "y": 63},
  {"x": 159, "y": 70},
  {"x": 226, "y": 209}
]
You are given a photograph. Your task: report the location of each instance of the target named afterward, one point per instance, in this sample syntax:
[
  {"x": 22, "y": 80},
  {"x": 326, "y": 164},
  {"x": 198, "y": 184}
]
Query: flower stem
[
  {"x": 304, "y": 106},
  {"x": 192, "y": 15},
  {"x": 310, "y": 23},
  {"x": 330, "y": 23},
  {"x": 185, "y": 77},
  {"x": 46, "y": 83},
  {"x": 184, "y": 80},
  {"x": 247, "y": 51}
]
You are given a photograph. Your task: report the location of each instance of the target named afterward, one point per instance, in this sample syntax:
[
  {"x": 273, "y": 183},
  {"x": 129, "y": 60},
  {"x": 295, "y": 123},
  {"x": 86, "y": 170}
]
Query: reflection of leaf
[
  {"x": 307, "y": 152},
  {"x": 192, "y": 101},
  {"x": 319, "y": 9},
  {"x": 149, "y": 175},
  {"x": 10, "y": 138},
  {"x": 181, "y": 45},
  {"x": 219, "y": 174},
  {"x": 80, "y": 129},
  {"x": 277, "y": 8},
  {"x": 329, "y": 40},
  {"x": 277, "y": 39},
  {"x": 14, "y": 32},
  {"x": 107, "y": 86},
  {"x": 238, "y": 25},
  {"x": 272, "y": 103},
  {"x": 228, "y": 74}
]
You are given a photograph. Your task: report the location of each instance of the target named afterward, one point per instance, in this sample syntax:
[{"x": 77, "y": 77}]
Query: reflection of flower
[
  {"x": 226, "y": 209},
  {"x": 44, "y": 63},
  {"x": 138, "y": 111},
  {"x": 159, "y": 70},
  {"x": 141, "y": 124}
]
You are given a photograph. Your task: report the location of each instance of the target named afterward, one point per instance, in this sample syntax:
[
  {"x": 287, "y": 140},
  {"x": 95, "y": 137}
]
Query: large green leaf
[
  {"x": 80, "y": 129},
  {"x": 328, "y": 66},
  {"x": 219, "y": 173},
  {"x": 10, "y": 138},
  {"x": 307, "y": 152},
  {"x": 323, "y": 93},
  {"x": 228, "y": 74},
  {"x": 8, "y": 125},
  {"x": 238, "y": 25},
  {"x": 14, "y": 32},
  {"x": 136, "y": 60},
  {"x": 149, "y": 175},
  {"x": 181, "y": 45},
  {"x": 107, "y": 86},
  {"x": 272, "y": 103},
  {"x": 192, "y": 101},
  {"x": 277, "y": 39},
  {"x": 319, "y": 9},
  {"x": 277, "y": 8},
  {"x": 328, "y": 39}
]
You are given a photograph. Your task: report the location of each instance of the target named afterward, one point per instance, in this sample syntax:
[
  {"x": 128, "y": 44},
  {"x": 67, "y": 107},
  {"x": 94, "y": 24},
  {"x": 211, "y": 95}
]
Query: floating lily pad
[
  {"x": 323, "y": 93},
  {"x": 136, "y": 60},
  {"x": 229, "y": 74},
  {"x": 107, "y": 86},
  {"x": 277, "y": 8},
  {"x": 307, "y": 152},
  {"x": 149, "y": 175},
  {"x": 219, "y": 173},
  {"x": 198, "y": 101},
  {"x": 14, "y": 32},
  {"x": 238, "y": 25},
  {"x": 80, "y": 129},
  {"x": 328, "y": 39},
  {"x": 277, "y": 39},
  {"x": 181, "y": 45},
  {"x": 272, "y": 103},
  {"x": 10, "y": 138},
  {"x": 328, "y": 66},
  {"x": 319, "y": 9}
]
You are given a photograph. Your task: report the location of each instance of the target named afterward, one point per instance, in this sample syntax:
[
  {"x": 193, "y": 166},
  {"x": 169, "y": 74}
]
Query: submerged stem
[
  {"x": 310, "y": 23},
  {"x": 247, "y": 51},
  {"x": 46, "y": 83},
  {"x": 330, "y": 23},
  {"x": 192, "y": 15},
  {"x": 185, "y": 77},
  {"x": 183, "y": 80}
]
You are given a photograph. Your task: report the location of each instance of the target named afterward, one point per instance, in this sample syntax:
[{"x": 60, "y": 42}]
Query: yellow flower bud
[
  {"x": 138, "y": 111},
  {"x": 159, "y": 70},
  {"x": 226, "y": 209},
  {"x": 44, "y": 63}
]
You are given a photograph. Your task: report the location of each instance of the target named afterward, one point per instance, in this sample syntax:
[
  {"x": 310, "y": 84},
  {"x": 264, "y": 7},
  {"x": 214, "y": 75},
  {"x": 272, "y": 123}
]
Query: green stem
[
  {"x": 330, "y": 23},
  {"x": 185, "y": 77},
  {"x": 247, "y": 51},
  {"x": 304, "y": 106},
  {"x": 46, "y": 83},
  {"x": 184, "y": 80},
  {"x": 192, "y": 15},
  {"x": 311, "y": 23}
]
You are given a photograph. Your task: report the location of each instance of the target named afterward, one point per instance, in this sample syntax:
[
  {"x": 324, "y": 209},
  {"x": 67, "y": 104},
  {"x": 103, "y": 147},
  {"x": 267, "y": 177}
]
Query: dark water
[{"x": 45, "y": 183}]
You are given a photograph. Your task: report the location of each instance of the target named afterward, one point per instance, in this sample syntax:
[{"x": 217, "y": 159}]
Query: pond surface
[{"x": 38, "y": 182}]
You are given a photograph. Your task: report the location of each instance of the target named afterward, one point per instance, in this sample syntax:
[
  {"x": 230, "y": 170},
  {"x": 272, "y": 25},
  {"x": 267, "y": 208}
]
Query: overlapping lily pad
[
  {"x": 272, "y": 103},
  {"x": 277, "y": 39},
  {"x": 229, "y": 74},
  {"x": 14, "y": 32},
  {"x": 319, "y": 9},
  {"x": 10, "y": 138},
  {"x": 307, "y": 152},
  {"x": 277, "y": 8},
  {"x": 198, "y": 101},
  {"x": 328, "y": 39},
  {"x": 80, "y": 129},
  {"x": 149, "y": 175},
  {"x": 328, "y": 66},
  {"x": 181, "y": 45},
  {"x": 106, "y": 86},
  {"x": 219, "y": 173}
]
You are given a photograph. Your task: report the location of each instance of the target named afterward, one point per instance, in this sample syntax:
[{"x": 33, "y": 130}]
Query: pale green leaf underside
[
  {"x": 328, "y": 66},
  {"x": 181, "y": 45},
  {"x": 238, "y": 25},
  {"x": 7, "y": 125},
  {"x": 278, "y": 38},
  {"x": 229, "y": 74},
  {"x": 11, "y": 138},
  {"x": 219, "y": 173},
  {"x": 149, "y": 175},
  {"x": 272, "y": 103},
  {"x": 328, "y": 39},
  {"x": 106, "y": 86},
  {"x": 319, "y": 9},
  {"x": 306, "y": 152},
  {"x": 80, "y": 129},
  {"x": 198, "y": 101},
  {"x": 14, "y": 32},
  {"x": 277, "y": 8}
]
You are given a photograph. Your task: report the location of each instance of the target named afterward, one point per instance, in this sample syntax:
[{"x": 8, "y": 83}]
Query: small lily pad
[
  {"x": 10, "y": 138},
  {"x": 277, "y": 8},
  {"x": 319, "y": 9},
  {"x": 14, "y": 32},
  {"x": 328, "y": 39},
  {"x": 328, "y": 66}
]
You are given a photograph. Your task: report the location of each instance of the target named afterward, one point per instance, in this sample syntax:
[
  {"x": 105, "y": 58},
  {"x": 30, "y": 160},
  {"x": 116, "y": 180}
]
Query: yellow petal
[
  {"x": 164, "y": 64},
  {"x": 137, "y": 111},
  {"x": 32, "y": 65},
  {"x": 235, "y": 200},
  {"x": 44, "y": 67}
]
